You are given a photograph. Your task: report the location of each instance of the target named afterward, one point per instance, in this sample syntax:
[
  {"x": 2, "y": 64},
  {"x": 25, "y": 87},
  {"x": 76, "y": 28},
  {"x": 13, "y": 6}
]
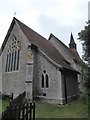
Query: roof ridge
[
  {"x": 42, "y": 37},
  {"x": 29, "y": 27},
  {"x": 70, "y": 51},
  {"x": 57, "y": 39},
  {"x": 41, "y": 42}
]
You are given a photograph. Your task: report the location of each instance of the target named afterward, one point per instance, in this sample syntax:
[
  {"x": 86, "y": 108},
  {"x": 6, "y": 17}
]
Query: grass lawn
[
  {"x": 76, "y": 109},
  {"x": 3, "y": 105},
  {"x": 0, "y": 105}
]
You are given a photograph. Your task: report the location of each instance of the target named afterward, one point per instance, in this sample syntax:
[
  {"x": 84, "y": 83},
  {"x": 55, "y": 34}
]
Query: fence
[
  {"x": 17, "y": 110},
  {"x": 23, "y": 112},
  {"x": 18, "y": 100}
]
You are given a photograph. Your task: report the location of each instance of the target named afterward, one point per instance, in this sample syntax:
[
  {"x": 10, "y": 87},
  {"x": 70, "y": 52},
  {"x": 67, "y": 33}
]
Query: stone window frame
[
  {"x": 13, "y": 55},
  {"x": 45, "y": 80}
]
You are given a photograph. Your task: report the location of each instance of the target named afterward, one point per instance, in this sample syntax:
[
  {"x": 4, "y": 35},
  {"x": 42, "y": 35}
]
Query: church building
[{"x": 45, "y": 69}]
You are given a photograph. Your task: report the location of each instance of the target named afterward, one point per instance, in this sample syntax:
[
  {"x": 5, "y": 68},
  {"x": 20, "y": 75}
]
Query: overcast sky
[{"x": 60, "y": 17}]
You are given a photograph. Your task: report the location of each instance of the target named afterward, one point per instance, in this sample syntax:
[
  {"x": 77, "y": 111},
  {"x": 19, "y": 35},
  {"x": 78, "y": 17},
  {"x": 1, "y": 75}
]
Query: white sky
[
  {"x": 89, "y": 10},
  {"x": 60, "y": 17}
]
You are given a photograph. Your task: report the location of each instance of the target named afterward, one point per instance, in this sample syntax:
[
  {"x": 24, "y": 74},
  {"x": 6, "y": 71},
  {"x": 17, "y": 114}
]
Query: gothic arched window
[
  {"x": 45, "y": 80},
  {"x": 42, "y": 81},
  {"x": 13, "y": 55}
]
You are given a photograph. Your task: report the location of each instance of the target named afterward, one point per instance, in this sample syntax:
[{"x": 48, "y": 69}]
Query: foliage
[
  {"x": 84, "y": 36},
  {"x": 87, "y": 83},
  {"x": 0, "y": 105}
]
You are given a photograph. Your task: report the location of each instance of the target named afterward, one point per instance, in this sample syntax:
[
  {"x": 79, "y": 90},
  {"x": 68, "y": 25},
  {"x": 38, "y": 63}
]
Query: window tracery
[
  {"x": 13, "y": 55},
  {"x": 45, "y": 80}
]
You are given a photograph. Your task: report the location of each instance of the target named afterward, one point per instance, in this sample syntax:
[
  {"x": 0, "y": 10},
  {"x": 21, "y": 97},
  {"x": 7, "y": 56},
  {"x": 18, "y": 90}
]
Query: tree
[{"x": 84, "y": 36}]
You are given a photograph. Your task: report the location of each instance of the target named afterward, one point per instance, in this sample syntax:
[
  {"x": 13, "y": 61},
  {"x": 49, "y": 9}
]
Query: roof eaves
[
  {"x": 44, "y": 45},
  {"x": 53, "y": 62},
  {"x": 71, "y": 52},
  {"x": 7, "y": 35}
]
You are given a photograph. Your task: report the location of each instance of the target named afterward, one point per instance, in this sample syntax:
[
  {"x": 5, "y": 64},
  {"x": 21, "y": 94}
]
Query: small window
[
  {"x": 44, "y": 71},
  {"x": 7, "y": 63},
  {"x": 42, "y": 81},
  {"x": 45, "y": 80},
  {"x": 15, "y": 55},
  {"x": 11, "y": 62},
  {"x": 17, "y": 66}
]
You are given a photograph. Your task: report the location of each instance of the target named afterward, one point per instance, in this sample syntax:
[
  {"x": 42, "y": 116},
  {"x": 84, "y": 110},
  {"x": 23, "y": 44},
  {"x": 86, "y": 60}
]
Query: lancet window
[
  {"x": 45, "y": 80},
  {"x": 13, "y": 55}
]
